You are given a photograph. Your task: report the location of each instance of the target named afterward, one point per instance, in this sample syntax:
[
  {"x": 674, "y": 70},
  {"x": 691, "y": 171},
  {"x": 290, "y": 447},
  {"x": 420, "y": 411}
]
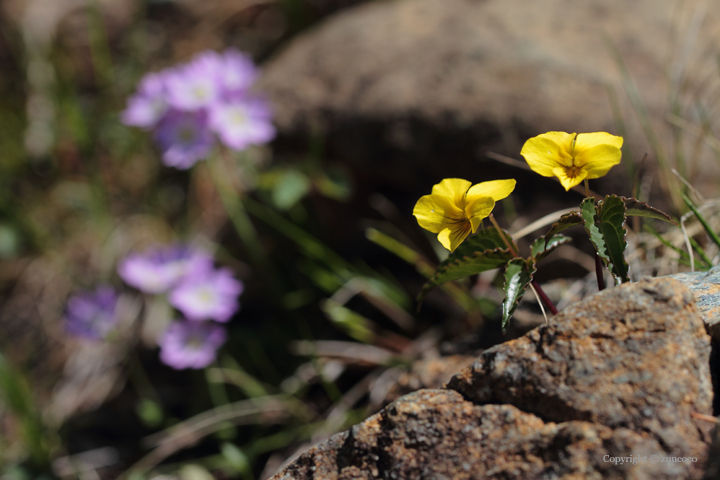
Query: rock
[
  {"x": 438, "y": 434},
  {"x": 427, "y": 373},
  {"x": 706, "y": 289},
  {"x": 617, "y": 375},
  {"x": 599, "y": 361},
  {"x": 317, "y": 462},
  {"x": 447, "y": 80}
]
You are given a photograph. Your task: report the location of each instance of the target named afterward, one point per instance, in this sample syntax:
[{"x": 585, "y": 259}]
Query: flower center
[
  {"x": 572, "y": 172},
  {"x": 195, "y": 342},
  {"x": 206, "y": 296},
  {"x": 186, "y": 134},
  {"x": 238, "y": 118},
  {"x": 201, "y": 93}
]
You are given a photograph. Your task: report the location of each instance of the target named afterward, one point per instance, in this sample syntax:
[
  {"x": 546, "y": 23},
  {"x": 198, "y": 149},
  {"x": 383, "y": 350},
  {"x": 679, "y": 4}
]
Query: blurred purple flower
[
  {"x": 209, "y": 295},
  {"x": 236, "y": 74},
  {"x": 184, "y": 138},
  {"x": 149, "y": 104},
  {"x": 191, "y": 344},
  {"x": 92, "y": 314},
  {"x": 186, "y": 104},
  {"x": 161, "y": 268},
  {"x": 196, "y": 84},
  {"x": 242, "y": 123}
]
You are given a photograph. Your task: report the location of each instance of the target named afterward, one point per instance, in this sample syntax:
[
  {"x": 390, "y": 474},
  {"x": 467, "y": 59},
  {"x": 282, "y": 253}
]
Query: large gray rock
[
  {"x": 706, "y": 290},
  {"x": 622, "y": 374}
]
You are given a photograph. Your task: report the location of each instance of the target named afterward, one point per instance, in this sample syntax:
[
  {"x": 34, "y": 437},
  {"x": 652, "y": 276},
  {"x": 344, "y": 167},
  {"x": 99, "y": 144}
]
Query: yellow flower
[
  {"x": 572, "y": 157},
  {"x": 454, "y": 208}
]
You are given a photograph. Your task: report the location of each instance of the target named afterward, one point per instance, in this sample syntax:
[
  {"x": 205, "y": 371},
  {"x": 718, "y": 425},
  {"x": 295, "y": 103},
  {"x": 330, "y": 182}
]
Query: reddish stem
[
  {"x": 599, "y": 272},
  {"x": 548, "y": 303}
]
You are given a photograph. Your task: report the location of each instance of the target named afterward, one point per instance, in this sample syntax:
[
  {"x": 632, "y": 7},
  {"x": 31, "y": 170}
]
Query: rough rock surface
[
  {"x": 427, "y": 373},
  {"x": 448, "y": 79},
  {"x": 617, "y": 375},
  {"x": 706, "y": 289},
  {"x": 585, "y": 367}
]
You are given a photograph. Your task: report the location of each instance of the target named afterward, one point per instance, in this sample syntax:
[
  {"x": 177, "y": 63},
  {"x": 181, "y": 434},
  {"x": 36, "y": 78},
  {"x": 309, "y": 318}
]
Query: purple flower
[
  {"x": 149, "y": 104},
  {"x": 184, "y": 138},
  {"x": 242, "y": 122},
  {"x": 187, "y": 104},
  {"x": 191, "y": 344},
  {"x": 236, "y": 74},
  {"x": 159, "y": 269},
  {"x": 196, "y": 84},
  {"x": 92, "y": 314},
  {"x": 209, "y": 295}
]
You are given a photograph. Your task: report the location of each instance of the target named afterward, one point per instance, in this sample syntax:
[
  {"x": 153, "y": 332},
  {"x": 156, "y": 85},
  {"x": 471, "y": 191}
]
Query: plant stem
[
  {"x": 599, "y": 272},
  {"x": 598, "y": 263},
  {"x": 544, "y": 297},
  {"x": 536, "y": 285},
  {"x": 502, "y": 235}
]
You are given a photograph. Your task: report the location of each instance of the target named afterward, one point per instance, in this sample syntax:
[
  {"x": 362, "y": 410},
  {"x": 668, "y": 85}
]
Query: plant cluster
[
  {"x": 186, "y": 106},
  {"x": 320, "y": 338},
  {"x": 455, "y": 209}
]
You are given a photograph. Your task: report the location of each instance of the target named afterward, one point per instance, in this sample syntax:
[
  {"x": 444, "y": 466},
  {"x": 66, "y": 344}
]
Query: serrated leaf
[
  {"x": 589, "y": 214},
  {"x": 611, "y": 216},
  {"x": 488, "y": 239},
  {"x": 541, "y": 247},
  {"x": 636, "y": 208},
  {"x": 472, "y": 264},
  {"x": 518, "y": 275},
  {"x": 483, "y": 251},
  {"x": 566, "y": 221}
]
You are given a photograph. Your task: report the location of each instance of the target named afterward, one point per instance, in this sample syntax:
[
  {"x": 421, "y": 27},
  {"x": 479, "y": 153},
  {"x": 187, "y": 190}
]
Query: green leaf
[
  {"x": 701, "y": 252},
  {"x": 334, "y": 184},
  {"x": 611, "y": 215},
  {"x": 665, "y": 242},
  {"x": 477, "y": 262},
  {"x": 483, "y": 240},
  {"x": 479, "y": 253},
  {"x": 290, "y": 188},
  {"x": 708, "y": 229},
  {"x": 150, "y": 412},
  {"x": 588, "y": 212},
  {"x": 236, "y": 458},
  {"x": 541, "y": 247},
  {"x": 354, "y": 324},
  {"x": 636, "y": 208},
  {"x": 566, "y": 221},
  {"x": 518, "y": 275}
]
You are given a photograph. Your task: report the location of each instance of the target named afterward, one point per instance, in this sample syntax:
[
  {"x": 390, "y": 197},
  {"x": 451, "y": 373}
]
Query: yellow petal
[
  {"x": 597, "y": 161},
  {"x": 548, "y": 151},
  {"x": 495, "y": 189},
  {"x": 453, "y": 189},
  {"x": 479, "y": 208},
  {"x": 568, "y": 182},
  {"x": 586, "y": 141},
  {"x": 436, "y": 213},
  {"x": 451, "y": 238}
]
